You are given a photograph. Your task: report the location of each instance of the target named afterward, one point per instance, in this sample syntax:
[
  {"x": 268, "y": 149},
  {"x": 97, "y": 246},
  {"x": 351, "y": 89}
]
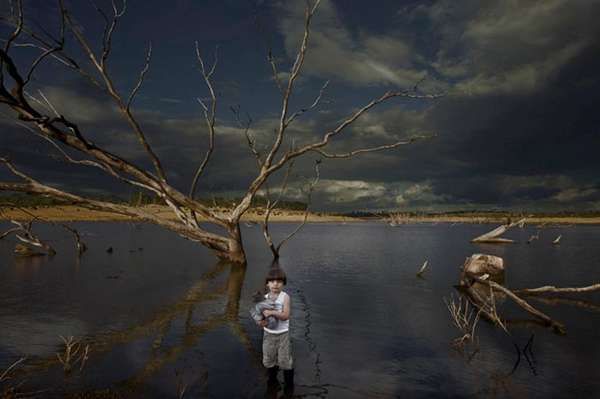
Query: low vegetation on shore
[{"x": 71, "y": 212}]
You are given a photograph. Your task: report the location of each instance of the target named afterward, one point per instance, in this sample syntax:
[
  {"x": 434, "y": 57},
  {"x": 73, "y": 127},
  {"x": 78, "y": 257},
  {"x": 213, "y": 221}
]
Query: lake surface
[{"x": 160, "y": 314}]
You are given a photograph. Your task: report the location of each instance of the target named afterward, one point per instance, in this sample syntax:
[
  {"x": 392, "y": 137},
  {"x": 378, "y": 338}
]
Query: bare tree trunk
[{"x": 235, "y": 249}]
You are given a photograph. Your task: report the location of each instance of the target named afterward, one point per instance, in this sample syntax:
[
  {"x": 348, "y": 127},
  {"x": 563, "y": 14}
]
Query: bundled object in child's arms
[{"x": 259, "y": 307}]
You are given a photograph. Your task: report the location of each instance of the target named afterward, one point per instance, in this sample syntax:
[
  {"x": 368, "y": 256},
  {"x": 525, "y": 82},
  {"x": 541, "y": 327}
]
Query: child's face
[{"x": 275, "y": 286}]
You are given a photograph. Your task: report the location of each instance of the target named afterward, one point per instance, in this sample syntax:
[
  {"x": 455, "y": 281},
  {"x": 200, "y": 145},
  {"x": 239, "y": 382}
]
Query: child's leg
[
  {"x": 270, "y": 344},
  {"x": 284, "y": 352}
]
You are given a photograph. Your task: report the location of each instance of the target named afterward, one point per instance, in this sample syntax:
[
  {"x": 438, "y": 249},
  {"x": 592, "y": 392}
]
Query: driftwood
[
  {"x": 479, "y": 286},
  {"x": 556, "y": 326},
  {"x": 28, "y": 237},
  {"x": 533, "y": 237},
  {"x": 555, "y": 290},
  {"x": 554, "y": 301},
  {"x": 24, "y": 234},
  {"x": 493, "y": 237},
  {"x": 469, "y": 283},
  {"x": 422, "y": 269}
]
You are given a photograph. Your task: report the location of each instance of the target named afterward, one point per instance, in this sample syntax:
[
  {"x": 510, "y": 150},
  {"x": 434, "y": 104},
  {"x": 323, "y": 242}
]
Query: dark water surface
[{"x": 160, "y": 313}]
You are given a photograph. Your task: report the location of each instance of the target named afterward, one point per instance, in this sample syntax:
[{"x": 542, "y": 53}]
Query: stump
[
  {"x": 25, "y": 251},
  {"x": 479, "y": 264}
]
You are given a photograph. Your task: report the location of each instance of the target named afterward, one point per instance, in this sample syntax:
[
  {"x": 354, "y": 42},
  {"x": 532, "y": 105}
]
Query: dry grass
[
  {"x": 464, "y": 317},
  {"x": 77, "y": 213}
]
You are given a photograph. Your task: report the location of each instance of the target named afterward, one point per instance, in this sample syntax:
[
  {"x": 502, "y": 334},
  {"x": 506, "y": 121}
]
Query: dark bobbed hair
[{"x": 276, "y": 274}]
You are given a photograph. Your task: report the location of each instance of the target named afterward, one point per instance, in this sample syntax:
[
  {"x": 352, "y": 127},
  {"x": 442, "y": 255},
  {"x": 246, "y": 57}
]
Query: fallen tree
[
  {"x": 40, "y": 118},
  {"x": 482, "y": 276},
  {"x": 493, "y": 237}
]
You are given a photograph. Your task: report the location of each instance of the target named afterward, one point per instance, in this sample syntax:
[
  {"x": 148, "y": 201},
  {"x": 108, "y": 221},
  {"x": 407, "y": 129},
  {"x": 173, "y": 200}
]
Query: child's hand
[
  {"x": 262, "y": 323},
  {"x": 268, "y": 313}
]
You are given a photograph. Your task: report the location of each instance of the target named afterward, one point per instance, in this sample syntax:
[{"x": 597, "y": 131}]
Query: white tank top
[{"x": 282, "y": 325}]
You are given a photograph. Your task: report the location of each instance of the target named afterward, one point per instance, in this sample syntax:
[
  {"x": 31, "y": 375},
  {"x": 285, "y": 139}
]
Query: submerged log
[
  {"x": 556, "y": 326},
  {"x": 556, "y": 290},
  {"x": 25, "y": 251},
  {"x": 481, "y": 276},
  {"x": 493, "y": 237}
]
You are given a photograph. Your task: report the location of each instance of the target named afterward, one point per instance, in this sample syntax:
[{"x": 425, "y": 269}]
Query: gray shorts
[{"x": 277, "y": 350}]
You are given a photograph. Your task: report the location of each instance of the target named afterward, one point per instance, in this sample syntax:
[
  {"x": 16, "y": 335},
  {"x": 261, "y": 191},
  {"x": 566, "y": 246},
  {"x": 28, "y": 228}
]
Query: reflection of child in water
[{"x": 261, "y": 305}]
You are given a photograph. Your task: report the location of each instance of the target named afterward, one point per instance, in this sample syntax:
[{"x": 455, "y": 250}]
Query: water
[{"x": 161, "y": 314}]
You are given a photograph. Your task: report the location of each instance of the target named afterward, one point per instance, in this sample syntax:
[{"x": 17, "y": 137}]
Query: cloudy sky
[{"x": 517, "y": 128}]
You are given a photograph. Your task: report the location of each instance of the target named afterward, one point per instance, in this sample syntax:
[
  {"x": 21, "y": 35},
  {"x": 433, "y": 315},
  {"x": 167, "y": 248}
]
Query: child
[{"x": 277, "y": 350}]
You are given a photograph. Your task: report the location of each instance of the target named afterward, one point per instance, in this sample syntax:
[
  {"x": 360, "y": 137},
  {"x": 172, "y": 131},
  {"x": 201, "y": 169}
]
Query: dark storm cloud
[{"x": 517, "y": 128}]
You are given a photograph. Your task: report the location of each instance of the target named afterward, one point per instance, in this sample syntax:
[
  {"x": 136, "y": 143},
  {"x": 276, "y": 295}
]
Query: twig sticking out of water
[
  {"x": 534, "y": 237},
  {"x": 422, "y": 269},
  {"x": 6, "y": 373},
  {"x": 181, "y": 386},
  {"x": 69, "y": 356}
]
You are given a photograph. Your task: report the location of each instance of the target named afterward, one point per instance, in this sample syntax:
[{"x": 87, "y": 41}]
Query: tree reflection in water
[{"x": 206, "y": 291}]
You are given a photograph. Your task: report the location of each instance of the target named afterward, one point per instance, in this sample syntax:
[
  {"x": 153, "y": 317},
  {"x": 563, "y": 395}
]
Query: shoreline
[{"x": 74, "y": 213}]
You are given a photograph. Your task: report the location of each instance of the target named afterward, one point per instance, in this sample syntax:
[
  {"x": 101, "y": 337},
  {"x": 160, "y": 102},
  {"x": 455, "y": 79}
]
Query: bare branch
[
  {"x": 25, "y": 235},
  {"x": 211, "y": 240},
  {"x": 249, "y": 139},
  {"x": 18, "y": 29},
  {"x": 209, "y": 116},
  {"x": 556, "y": 290},
  {"x": 141, "y": 78},
  {"x": 558, "y": 327},
  {"x": 270, "y": 206},
  {"x": 372, "y": 149},
  {"x": 295, "y": 71},
  {"x": 312, "y": 106},
  {"x": 5, "y": 374},
  {"x": 80, "y": 245},
  {"x": 275, "y": 72},
  {"x": 306, "y": 211},
  {"x": 269, "y": 168},
  {"x": 9, "y": 232},
  {"x": 101, "y": 67}
]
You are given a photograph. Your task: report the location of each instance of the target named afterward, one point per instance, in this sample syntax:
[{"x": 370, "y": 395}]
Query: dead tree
[
  {"x": 29, "y": 238},
  {"x": 477, "y": 282},
  {"x": 39, "y": 117}
]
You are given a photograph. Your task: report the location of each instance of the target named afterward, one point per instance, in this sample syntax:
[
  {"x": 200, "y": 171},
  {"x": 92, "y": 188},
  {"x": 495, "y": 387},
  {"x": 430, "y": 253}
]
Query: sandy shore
[
  {"x": 77, "y": 213},
  {"x": 66, "y": 213}
]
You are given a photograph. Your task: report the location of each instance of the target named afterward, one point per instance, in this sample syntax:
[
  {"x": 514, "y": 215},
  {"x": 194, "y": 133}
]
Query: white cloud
[
  {"x": 351, "y": 190},
  {"x": 575, "y": 194},
  {"x": 419, "y": 192},
  {"x": 77, "y": 107},
  {"x": 335, "y": 53},
  {"x": 508, "y": 46}
]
